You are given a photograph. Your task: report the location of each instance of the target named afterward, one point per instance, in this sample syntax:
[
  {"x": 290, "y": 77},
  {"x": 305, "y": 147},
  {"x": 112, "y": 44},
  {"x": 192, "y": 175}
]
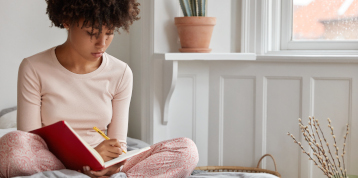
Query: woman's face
[{"x": 89, "y": 48}]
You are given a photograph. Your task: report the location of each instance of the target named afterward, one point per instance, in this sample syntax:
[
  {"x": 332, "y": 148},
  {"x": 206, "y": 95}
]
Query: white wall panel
[
  {"x": 182, "y": 119},
  {"x": 252, "y": 105},
  {"x": 237, "y": 130},
  {"x": 331, "y": 98},
  {"x": 283, "y": 97},
  {"x": 188, "y": 116}
]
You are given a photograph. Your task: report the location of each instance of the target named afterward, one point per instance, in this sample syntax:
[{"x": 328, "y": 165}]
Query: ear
[{"x": 66, "y": 25}]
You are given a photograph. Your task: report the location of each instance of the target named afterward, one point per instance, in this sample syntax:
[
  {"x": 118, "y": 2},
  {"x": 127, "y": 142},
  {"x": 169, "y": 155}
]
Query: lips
[{"x": 97, "y": 54}]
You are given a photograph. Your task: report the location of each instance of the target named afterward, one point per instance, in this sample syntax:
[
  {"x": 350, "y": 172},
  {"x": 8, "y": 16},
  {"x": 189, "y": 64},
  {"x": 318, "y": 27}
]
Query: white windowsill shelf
[
  {"x": 170, "y": 74},
  {"x": 209, "y": 56}
]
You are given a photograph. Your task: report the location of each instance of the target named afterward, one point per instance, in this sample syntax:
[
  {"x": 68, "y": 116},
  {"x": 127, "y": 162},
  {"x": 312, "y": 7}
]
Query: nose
[{"x": 101, "y": 41}]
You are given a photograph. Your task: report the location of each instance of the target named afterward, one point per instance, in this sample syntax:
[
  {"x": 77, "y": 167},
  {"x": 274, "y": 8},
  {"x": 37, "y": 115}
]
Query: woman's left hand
[{"x": 104, "y": 172}]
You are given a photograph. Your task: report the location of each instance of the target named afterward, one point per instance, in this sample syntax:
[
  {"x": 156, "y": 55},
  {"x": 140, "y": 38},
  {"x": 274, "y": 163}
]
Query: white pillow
[
  {"x": 8, "y": 120},
  {"x": 5, "y": 131}
]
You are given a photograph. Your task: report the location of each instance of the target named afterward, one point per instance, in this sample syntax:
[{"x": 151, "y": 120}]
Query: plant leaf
[{"x": 183, "y": 8}]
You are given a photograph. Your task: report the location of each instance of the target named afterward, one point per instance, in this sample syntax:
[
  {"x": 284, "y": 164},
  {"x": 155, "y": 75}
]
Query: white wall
[
  {"x": 135, "y": 52},
  {"x": 24, "y": 31}
]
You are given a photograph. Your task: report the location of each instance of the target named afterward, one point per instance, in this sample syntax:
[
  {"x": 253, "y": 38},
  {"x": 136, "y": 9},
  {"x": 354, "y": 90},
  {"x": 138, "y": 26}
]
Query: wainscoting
[{"x": 237, "y": 111}]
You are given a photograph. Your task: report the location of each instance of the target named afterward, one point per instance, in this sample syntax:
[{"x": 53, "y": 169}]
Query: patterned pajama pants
[{"x": 23, "y": 154}]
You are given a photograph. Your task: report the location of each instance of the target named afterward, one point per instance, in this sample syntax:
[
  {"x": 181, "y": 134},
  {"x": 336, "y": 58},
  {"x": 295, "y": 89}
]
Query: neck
[{"x": 73, "y": 61}]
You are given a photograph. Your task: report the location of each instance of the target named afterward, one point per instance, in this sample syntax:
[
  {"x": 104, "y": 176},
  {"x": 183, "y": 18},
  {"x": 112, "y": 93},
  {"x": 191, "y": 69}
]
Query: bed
[{"x": 8, "y": 124}]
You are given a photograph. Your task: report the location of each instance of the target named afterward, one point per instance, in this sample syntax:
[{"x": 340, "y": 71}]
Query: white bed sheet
[
  {"x": 67, "y": 173},
  {"x": 231, "y": 175},
  {"x": 5, "y": 131}
]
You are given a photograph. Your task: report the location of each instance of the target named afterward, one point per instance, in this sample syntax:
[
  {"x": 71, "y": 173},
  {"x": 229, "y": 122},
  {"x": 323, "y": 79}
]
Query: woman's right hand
[{"x": 109, "y": 149}]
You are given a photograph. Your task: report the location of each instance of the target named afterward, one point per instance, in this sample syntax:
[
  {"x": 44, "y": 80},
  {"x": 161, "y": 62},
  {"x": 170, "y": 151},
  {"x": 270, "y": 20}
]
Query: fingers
[
  {"x": 111, "y": 155},
  {"x": 114, "y": 142},
  {"x": 86, "y": 170},
  {"x": 94, "y": 174},
  {"x": 99, "y": 173},
  {"x": 122, "y": 163},
  {"x": 115, "y": 150},
  {"x": 110, "y": 149},
  {"x": 124, "y": 146}
]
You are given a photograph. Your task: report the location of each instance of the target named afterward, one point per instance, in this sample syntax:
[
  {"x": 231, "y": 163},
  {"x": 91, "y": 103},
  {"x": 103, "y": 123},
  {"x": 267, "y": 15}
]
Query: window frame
[{"x": 265, "y": 31}]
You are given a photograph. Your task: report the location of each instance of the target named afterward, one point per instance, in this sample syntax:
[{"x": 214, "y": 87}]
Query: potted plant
[{"x": 195, "y": 29}]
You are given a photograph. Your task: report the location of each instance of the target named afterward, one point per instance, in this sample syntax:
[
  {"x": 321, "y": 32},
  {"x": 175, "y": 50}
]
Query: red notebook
[{"x": 73, "y": 151}]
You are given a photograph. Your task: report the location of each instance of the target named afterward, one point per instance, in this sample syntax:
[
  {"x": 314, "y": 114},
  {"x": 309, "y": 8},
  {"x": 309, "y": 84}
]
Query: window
[
  {"x": 325, "y": 20},
  {"x": 300, "y": 27},
  {"x": 319, "y": 25}
]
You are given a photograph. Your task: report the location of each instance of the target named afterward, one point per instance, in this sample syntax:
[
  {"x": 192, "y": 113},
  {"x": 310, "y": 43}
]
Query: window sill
[
  {"x": 209, "y": 56},
  {"x": 205, "y": 56},
  {"x": 343, "y": 56},
  {"x": 309, "y": 58}
]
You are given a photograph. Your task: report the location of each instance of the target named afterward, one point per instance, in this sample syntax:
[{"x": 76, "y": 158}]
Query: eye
[
  {"x": 93, "y": 34},
  {"x": 90, "y": 34}
]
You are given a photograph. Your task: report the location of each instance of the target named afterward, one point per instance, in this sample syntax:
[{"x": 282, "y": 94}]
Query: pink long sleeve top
[{"x": 47, "y": 92}]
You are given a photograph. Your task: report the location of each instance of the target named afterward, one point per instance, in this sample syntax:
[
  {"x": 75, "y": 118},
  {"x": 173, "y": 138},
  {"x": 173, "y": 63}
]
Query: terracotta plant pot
[{"x": 195, "y": 33}]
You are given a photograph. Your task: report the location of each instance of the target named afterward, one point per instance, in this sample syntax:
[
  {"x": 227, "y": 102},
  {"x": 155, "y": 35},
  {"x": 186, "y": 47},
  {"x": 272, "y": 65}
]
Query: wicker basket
[{"x": 241, "y": 169}]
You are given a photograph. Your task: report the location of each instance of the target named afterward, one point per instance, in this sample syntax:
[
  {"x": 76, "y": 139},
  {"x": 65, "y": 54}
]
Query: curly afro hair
[{"x": 114, "y": 14}]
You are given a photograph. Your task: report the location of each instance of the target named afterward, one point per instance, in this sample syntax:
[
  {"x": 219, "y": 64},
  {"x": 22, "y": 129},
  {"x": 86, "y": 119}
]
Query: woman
[{"x": 79, "y": 82}]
